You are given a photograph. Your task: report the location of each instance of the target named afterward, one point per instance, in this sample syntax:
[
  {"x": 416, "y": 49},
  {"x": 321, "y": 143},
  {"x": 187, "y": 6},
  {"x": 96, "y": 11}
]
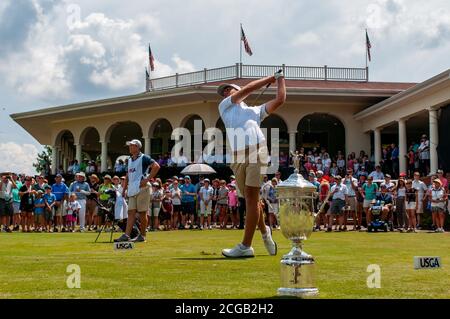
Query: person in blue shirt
[
  {"x": 385, "y": 200},
  {"x": 61, "y": 192},
  {"x": 188, "y": 194},
  {"x": 50, "y": 202},
  {"x": 39, "y": 208}
]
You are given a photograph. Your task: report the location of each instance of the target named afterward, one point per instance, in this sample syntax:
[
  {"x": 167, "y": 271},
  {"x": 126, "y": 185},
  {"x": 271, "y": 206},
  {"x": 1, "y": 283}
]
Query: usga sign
[
  {"x": 123, "y": 245},
  {"x": 427, "y": 262}
]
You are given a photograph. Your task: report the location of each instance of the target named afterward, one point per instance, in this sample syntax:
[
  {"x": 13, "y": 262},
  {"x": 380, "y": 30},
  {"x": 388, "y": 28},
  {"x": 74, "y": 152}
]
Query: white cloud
[
  {"x": 65, "y": 57},
  {"x": 18, "y": 158},
  {"x": 306, "y": 39}
]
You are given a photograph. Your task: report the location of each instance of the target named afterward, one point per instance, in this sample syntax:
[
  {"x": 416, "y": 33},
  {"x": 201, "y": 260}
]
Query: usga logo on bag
[
  {"x": 123, "y": 245},
  {"x": 427, "y": 262}
]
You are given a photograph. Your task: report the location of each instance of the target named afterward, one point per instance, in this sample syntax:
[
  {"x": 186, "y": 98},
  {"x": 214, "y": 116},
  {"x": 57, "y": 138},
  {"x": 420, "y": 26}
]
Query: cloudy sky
[{"x": 59, "y": 52}]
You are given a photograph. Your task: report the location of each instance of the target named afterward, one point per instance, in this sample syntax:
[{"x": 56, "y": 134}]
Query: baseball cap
[
  {"x": 134, "y": 142},
  {"x": 187, "y": 177},
  {"x": 206, "y": 180},
  {"x": 81, "y": 174},
  {"x": 58, "y": 175},
  {"x": 233, "y": 177},
  {"x": 319, "y": 173},
  {"x": 107, "y": 177},
  {"x": 222, "y": 88}
]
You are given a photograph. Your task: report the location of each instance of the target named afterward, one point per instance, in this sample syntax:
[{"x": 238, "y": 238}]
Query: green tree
[{"x": 44, "y": 160}]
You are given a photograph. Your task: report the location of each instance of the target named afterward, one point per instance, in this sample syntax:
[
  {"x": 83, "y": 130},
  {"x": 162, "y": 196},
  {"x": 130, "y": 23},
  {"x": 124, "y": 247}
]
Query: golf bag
[{"x": 107, "y": 209}]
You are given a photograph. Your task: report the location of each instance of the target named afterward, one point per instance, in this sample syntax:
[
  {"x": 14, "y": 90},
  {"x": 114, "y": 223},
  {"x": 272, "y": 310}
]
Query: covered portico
[{"x": 412, "y": 111}]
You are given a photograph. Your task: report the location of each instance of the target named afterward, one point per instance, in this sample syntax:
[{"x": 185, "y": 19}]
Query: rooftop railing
[{"x": 248, "y": 71}]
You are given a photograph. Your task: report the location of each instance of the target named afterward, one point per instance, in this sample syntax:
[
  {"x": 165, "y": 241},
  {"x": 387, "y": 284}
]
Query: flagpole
[
  {"x": 240, "y": 44},
  {"x": 367, "y": 49}
]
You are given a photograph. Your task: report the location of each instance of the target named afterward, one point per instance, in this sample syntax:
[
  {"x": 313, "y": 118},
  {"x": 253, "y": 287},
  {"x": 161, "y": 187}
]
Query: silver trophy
[{"x": 296, "y": 197}]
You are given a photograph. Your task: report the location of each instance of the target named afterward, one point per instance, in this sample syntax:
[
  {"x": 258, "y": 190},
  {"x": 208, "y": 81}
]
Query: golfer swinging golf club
[{"x": 250, "y": 157}]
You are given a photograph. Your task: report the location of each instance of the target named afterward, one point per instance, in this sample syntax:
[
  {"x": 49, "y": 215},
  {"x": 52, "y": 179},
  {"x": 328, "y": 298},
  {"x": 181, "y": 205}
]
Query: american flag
[
  {"x": 369, "y": 46},
  {"x": 151, "y": 59},
  {"x": 147, "y": 80},
  {"x": 246, "y": 45}
]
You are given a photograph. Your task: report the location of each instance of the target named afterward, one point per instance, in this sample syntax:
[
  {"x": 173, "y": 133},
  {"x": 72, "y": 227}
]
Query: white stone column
[
  {"x": 104, "y": 157},
  {"x": 292, "y": 141},
  {"x": 434, "y": 140},
  {"x": 377, "y": 145},
  {"x": 147, "y": 146},
  {"x": 78, "y": 153},
  {"x": 402, "y": 145},
  {"x": 54, "y": 159}
]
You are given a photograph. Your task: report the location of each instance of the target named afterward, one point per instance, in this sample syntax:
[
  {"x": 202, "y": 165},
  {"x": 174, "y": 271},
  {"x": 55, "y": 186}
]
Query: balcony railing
[{"x": 239, "y": 70}]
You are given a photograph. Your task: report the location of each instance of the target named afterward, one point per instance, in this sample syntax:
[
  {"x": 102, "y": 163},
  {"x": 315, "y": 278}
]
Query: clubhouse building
[{"x": 335, "y": 108}]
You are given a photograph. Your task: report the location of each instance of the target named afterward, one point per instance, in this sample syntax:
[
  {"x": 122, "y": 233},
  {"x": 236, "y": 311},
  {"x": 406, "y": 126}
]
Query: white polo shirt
[
  {"x": 247, "y": 119},
  {"x": 342, "y": 191}
]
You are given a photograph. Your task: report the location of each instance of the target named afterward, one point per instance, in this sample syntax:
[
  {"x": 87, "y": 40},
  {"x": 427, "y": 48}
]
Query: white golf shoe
[
  {"x": 239, "y": 251},
  {"x": 270, "y": 244}
]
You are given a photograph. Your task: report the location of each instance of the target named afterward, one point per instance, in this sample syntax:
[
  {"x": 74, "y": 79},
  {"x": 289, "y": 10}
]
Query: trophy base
[{"x": 298, "y": 292}]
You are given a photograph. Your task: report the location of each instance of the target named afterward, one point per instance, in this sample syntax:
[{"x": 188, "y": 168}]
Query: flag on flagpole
[
  {"x": 369, "y": 46},
  {"x": 147, "y": 80},
  {"x": 151, "y": 58},
  {"x": 246, "y": 45}
]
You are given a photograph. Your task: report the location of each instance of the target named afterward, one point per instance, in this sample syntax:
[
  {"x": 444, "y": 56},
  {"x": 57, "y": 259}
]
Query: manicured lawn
[{"x": 188, "y": 264}]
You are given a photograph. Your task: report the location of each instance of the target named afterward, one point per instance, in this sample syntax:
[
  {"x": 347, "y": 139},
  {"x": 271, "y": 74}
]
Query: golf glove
[{"x": 278, "y": 74}]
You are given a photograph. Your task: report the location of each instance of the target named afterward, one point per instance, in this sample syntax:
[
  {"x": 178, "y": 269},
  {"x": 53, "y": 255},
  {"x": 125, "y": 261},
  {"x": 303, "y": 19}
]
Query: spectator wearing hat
[
  {"x": 438, "y": 198},
  {"x": 386, "y": 198},
  {"x": 205, "y": 198},
  {"x": 137, "y": 187},
  {"x": 388, "y": 183},
  {"x": 81, "y": 189},
  {"x": 61, "y": 192},
  {"x": 188, "y": 195},
  {"x": 338, "y": 201}
]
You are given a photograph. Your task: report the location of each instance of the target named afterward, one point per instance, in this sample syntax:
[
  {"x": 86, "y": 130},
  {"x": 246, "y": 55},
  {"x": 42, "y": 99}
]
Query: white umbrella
[{"x": 198, "y": 169}]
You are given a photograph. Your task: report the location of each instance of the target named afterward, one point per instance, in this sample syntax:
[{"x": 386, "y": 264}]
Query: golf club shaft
[{"x": 265, "y": 89}]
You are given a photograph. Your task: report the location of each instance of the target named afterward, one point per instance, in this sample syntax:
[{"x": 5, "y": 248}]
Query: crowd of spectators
[{"x": 346, "y": 186}]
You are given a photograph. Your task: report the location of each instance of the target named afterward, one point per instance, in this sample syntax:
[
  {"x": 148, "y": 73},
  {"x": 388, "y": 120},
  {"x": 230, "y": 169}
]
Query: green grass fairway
[{"x": 188, "y": 264}]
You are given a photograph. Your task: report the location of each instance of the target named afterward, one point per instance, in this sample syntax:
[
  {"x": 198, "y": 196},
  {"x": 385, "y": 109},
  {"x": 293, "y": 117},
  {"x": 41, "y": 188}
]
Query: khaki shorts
[
  {"x": 141, "y": 201},
  {"x": 248, "y": 167},
  {"x": 352, "y": 204},
  {"x": 59, "y": 211}
]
